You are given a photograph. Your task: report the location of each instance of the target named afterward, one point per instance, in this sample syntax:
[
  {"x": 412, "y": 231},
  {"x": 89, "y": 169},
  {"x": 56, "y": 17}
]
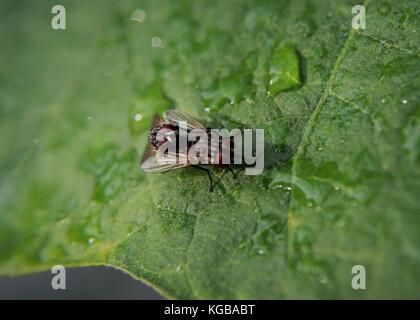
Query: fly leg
[
  {"x": 209, "y": 175},
  {"x": 240, "y": 170},
  {"x": 234, "y": 175}
]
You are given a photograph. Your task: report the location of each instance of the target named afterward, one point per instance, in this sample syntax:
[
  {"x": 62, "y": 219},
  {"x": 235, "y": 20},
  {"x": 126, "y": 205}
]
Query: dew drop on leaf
[
  {"x": 138, "y": 117},
  {"x": 284, "y": 70},
  {"x": 354, "y": 203},
  {"x": 322, "y": 279}
]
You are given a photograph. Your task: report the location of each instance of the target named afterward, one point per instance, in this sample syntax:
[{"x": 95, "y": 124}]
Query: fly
[{"x": 170, "y": 125}]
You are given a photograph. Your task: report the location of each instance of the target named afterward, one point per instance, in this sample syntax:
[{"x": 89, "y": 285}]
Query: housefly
[{"x": 169, "y": 124}]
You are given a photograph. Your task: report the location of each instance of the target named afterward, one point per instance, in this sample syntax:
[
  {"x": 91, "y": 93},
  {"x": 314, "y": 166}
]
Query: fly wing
[
  {"x": 173, "y": 116},
  {"x": 152, "y": 165},
  {"x": 150, "y": 150}
]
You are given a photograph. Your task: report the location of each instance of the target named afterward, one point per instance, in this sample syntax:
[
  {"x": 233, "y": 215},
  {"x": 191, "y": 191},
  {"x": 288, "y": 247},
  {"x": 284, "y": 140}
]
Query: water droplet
[
  {"x": 354, "y": 203},
  {"x": 207, "y": 110},
  {"x": 280, "y": 186},
  {"x": 138, "y": 117},
  {"x": 284, "y": 72},
  {"x": 138, "y": 15},
  {"x": 404, "y": 101},
  {"x": 322, "y": 278},
  {"x": 383, "y": 100},
  {"x": 320, "y": 149},
  {"x": 76, "y": 233},
  {"x": 91, "y": 240},
  {"x": 309, "y": 204},
  {"x": 337, "y": 188},
  {"x": 261, "y": 251}
]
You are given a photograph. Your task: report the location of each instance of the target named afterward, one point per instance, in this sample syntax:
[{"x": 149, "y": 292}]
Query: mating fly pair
[{"x": 168, "y": 130}]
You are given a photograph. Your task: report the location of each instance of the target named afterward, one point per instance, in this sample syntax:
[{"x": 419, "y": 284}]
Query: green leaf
[{"x": 342, "y": 126}]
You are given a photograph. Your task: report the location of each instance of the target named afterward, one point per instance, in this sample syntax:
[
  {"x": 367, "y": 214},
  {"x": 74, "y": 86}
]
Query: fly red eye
[{"x": 169, "y": 126}]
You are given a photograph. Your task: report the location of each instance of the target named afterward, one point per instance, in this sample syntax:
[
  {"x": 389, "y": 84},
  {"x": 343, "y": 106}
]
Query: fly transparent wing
[
  {"x": 152, "y": 165},
  {"x": 173, "y": 116}
]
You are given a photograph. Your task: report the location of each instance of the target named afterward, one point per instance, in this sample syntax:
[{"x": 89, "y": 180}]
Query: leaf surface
[{"x": 340, "y": 109}]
